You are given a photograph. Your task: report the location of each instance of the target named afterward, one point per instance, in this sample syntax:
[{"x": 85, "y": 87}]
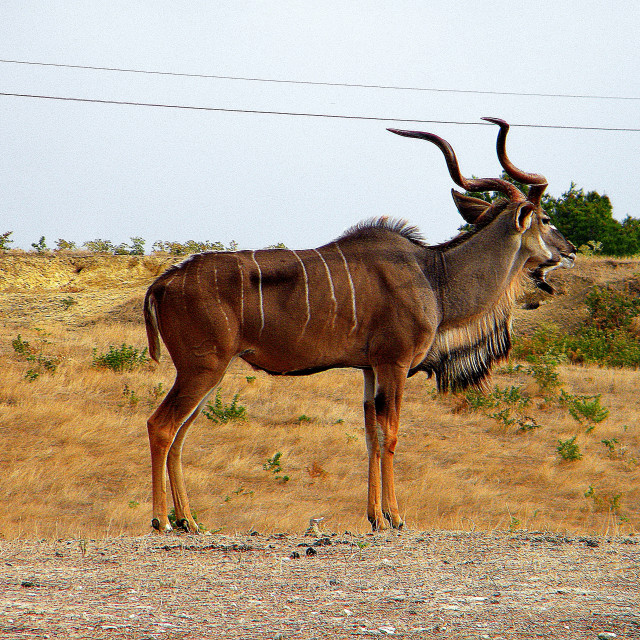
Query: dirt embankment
[
  {"x": 71, "y": 273},
  {"x": 567, "y": 308},
  {"x": 76, "y": 289},
  {"x": 41, "y": 282}
]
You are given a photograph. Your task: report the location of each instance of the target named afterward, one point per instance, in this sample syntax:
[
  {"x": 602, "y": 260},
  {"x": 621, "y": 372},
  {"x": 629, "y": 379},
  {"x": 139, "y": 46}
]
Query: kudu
[{"x": 376, "y": 299}]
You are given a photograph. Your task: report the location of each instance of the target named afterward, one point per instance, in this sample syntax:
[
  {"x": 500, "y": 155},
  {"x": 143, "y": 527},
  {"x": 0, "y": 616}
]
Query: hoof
[
  {"x": 155, "y": 524},
  {"x": 187, "y": 527},
  {"x": 377, "y": 524},
  {"x": 398, "y": 524}
]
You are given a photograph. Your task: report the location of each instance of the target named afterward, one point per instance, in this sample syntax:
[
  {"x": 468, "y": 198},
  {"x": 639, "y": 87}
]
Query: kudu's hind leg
[
  {"x": 167, "y": 428},
  {"x": 184, "y": 517},
  {"x": 374, "y": 504},
  {"x": 390, "y": 381}
]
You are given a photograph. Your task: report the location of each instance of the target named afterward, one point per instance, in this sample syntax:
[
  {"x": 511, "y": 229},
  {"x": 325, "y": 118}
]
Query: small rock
[
  {"x": 311, "y": 551},
  {"x": 323, "y": 542},
  {"x": 295, "y": 555},
  {"x": 606, "y": 635}
]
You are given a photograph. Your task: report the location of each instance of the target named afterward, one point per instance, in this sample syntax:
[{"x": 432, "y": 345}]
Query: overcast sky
[{"x": 81, "y": 171}]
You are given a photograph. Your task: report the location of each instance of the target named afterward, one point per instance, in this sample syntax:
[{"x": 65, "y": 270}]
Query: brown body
[{"x": 377, "y": 299}]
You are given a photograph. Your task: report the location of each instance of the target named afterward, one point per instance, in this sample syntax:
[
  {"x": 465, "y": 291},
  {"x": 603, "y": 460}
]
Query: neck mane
[{"x": 462, "y": 357}]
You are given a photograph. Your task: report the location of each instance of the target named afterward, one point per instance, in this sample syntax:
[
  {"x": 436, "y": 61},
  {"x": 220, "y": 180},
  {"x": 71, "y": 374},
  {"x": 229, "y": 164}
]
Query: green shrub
[
  {"x": 509, "y": 404},
  {"x": 273, "y": 466},
  {"x": 35, "y": 356},
  {"x": 604, "y": 339},
  {"x": 40, "y": 246},
  {"x": 584, "y": 409},
  {"x": 610, "y": 310},
  {"x": 5, "y": 241},
  {"x": 136, "y": 248},
  {"x": 68, "y": 302},
  {"x": 569, "y": 449},
  {"x": 221, "y": 413},
  {"x": 604, "y": 502},
  {"x": 191, "y": 246},
  {"x": 65, "y": 245},
  {"x": 122, "y": 358},
  {"x": 99, "y": 246}
]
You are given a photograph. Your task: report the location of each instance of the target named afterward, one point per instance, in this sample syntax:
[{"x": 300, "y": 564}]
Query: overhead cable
[
  {"x": 319, "y": 83},
  {"x": 301, "y": 114}
]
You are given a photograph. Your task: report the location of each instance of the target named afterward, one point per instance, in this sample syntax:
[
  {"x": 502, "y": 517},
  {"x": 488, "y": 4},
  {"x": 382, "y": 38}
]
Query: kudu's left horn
[{"x": 473, "y": 184}]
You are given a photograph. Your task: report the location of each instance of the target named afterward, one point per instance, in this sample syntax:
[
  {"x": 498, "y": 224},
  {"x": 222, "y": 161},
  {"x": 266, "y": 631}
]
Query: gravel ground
[{"x": 409, "y": 585}]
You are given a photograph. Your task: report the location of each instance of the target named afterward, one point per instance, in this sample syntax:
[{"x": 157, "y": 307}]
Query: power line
[
  {"x": 318, "y": 83},
  {"x": 300, "y": 114}
]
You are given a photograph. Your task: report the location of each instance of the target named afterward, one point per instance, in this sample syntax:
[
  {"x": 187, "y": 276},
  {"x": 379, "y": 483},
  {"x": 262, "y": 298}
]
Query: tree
[
  {"x": 584, "y": 217},
  {"x": 5, "y": 241}
]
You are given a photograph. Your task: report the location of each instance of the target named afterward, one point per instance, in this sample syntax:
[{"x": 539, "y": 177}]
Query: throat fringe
[{"x": 462, "y": 357}]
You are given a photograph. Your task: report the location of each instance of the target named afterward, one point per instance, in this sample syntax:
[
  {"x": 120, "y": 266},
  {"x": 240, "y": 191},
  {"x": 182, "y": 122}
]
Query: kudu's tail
[{"x": 151, "y": 324}]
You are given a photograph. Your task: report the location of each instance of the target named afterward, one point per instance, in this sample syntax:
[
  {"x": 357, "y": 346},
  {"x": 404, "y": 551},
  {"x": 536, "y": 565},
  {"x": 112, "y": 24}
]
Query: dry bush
[{"x": 76, "y": 457}]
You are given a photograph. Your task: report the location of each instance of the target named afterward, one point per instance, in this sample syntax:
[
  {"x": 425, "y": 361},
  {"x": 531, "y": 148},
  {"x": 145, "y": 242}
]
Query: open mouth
[{"x": 539, "y": 274}]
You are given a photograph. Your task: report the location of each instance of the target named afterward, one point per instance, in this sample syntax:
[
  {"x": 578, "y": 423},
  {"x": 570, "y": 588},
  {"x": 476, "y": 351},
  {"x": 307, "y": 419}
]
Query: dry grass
[{"x": 76, "y": 461}]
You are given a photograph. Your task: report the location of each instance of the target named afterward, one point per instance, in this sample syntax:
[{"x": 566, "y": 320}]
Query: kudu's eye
[{"x": 545, "y": 221}]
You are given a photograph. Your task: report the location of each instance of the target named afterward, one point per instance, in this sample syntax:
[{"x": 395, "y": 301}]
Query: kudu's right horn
[{"x": 536, "y": 182}]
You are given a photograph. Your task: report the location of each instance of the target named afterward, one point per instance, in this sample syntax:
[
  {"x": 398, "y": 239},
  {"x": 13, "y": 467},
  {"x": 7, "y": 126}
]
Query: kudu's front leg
[
  {"x": 382, "y": 399},
  {"x": 374, "y": 504},
  {"x": 390, "y": 381}
]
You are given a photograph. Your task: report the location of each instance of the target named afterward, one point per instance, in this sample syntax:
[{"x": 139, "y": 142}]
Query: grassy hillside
[{"x": 76, "y": 455}]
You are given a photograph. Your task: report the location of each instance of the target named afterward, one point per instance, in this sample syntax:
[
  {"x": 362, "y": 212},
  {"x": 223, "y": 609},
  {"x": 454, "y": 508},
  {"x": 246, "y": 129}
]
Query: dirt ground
[{"x": 407, "y": 585}]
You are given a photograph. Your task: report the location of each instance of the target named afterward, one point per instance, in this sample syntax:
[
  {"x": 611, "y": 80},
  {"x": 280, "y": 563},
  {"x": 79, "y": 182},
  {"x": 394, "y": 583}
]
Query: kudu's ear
[
  {"x": 471, "y": 209},
  {"x": 524, "y": 216}
]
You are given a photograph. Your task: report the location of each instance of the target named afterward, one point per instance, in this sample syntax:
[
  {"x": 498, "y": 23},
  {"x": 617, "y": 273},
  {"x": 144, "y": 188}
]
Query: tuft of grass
[
  {"x": 273, "y": 466},
  {"x": 122, "y": 358},
  {"x": 604, "y": 501},
  {"x": 509, "y": 405},
  {"x": 35, "y": 356},
  {"x": 585, "y": 409},
  {"x": 569, "y": 449},
  {"x": 220, "y": 413}
]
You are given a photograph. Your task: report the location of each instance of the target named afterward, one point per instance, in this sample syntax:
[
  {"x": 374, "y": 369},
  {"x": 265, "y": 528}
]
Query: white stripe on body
[
  {"x": 253, "y": 256},
  {"x": 224, "y": 313},
  {"x": 306, "y": 292},
  {"x": 331, "y": 288},
  {"x": 184, "y": 267},
  {"x": 241, "y": 293},
  {"x": 353, "y": 290}
]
